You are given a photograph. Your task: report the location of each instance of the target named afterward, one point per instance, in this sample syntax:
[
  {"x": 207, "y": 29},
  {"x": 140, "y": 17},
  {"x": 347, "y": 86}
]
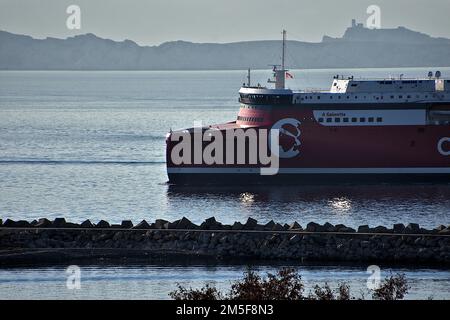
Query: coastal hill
[{"x": 358, "y": 47}]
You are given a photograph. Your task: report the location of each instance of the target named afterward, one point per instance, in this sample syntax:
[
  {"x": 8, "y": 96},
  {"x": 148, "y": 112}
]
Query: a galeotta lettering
[{"x": 335, "y": 114}]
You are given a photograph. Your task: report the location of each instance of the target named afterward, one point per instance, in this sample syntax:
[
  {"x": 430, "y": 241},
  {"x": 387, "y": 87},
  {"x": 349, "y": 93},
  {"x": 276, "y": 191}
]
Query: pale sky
[{"x": 151, "y": 22}]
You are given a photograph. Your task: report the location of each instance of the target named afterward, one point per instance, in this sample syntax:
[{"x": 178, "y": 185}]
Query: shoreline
[{"x": 58, "y": 241}]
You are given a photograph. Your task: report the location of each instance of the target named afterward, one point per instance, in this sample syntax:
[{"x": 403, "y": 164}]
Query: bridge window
[
  {"x": 329, "y": 119},
  {"x": 362, "y": 119},
  {"x": 379, "y": 119},
  {"x": 354, "y": 119},
  {"x": 320, "y": 120},
  {"x": 345, "y": 119},
  {"x": 371, "y": 119},
  {"x": 337, "y": 119}
]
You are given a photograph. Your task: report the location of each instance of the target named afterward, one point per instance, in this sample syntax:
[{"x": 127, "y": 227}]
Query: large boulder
[
  {"x": 278, "y": 227},
  {"x": 295, "y": 226},
  {"x": 102, "y": 224},
  {"x": 71, "y": 225},
  {"x": 142, "y": 225},
  {"x": 161, "y": 224},
  {"x": 344, "y": 229},
  {"x": 364, "y": 229},
  {"x": 439, "y": 228},
  {"x": 269, "y": 225},
  {"x": 59, "y": 223},
  {"x": 328, "y": 227},
  {"x": 237, "y": 226},
  {"x": 340, "y": 227},
  {"x": 173, "y": 225},
  {"x": 211, "y": 224},
  {"x": 87, "y": 224},
  {"x": 250, "y": 224},
  {"x": 126, "y": 224},
  {"x": 412, "y": 228},
  {"x": 16, "y": 224},
  {"x": 185, "y": 223},
  {"x": 380, "y": 229},
  {"x": 313, "y": 227},
  {"x": 43, "y": 223},
  {"x": 399, "y": 228}
]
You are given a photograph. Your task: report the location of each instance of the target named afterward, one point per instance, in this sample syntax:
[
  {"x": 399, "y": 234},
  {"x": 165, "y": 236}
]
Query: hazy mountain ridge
[{"x": 359, "y": 47}]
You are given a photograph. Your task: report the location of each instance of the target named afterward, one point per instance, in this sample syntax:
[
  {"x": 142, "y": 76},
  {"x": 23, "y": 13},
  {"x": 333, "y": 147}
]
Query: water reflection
[
  {"x": 247, "y": 198},
  {"x": 386, "y": 204},
  {"x": 340, "y": 205}
]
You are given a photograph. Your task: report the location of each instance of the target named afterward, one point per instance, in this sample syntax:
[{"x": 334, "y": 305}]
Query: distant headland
[{"x": 359, "y": 47}]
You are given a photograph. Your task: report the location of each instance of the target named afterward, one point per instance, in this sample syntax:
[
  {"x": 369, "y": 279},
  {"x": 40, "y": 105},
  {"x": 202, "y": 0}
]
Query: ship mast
[
  {"x": 280, "y": 74},
  {"x": 283, "y": 53}
]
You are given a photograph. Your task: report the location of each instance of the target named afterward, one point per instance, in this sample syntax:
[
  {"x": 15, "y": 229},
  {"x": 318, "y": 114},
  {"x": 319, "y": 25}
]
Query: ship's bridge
[{"x": 265, "y": 96}]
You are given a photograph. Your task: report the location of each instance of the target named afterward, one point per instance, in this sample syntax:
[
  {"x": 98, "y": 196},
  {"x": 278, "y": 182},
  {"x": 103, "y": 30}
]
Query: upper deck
[{"x": 355, "y": 91}]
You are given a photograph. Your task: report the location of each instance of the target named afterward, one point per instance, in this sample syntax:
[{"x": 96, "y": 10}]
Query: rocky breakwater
[{"x": 59, "y": 240}]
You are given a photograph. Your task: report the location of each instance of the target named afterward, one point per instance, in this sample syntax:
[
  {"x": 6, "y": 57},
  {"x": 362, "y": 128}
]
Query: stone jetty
[{"x": 45, "y": 241}]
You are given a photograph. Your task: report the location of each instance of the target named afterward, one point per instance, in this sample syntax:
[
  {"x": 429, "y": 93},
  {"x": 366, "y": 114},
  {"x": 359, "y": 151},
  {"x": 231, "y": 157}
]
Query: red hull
[{"x": 333, "y": 153}]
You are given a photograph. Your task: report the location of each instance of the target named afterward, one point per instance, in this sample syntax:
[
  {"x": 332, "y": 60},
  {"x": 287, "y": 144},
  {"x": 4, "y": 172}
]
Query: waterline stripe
[{"x": 425, "y": 170}]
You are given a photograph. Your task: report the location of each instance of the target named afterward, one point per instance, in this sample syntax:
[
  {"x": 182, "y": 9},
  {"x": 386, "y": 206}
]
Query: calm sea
[
  {"x": 157, "y": 281},
  {"x": 90, "y": 145}
]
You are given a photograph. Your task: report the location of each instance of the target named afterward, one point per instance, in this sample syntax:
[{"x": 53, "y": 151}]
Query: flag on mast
[{"x": 288, "y": 75}]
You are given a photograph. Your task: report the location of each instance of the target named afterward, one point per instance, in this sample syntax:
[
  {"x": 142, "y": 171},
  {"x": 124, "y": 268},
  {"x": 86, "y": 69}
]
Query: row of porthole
[
  {"x": 247, "y": 106},
  {"x": 353, "y": 119},
  {"x": 365, "y": 97}
]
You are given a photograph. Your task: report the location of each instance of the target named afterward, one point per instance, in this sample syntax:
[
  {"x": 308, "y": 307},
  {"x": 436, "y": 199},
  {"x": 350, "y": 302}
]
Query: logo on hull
[
  {"x": 289, "y": 137},
  {"x": 440, "y": 146}
]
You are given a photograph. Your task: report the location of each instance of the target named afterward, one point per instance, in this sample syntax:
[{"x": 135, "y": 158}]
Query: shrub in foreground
[{"x": 287, "y": 284}]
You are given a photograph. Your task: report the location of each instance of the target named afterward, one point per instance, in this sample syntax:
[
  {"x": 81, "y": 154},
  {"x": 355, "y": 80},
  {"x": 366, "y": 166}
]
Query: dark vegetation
[{"x": 287, "y": 284}]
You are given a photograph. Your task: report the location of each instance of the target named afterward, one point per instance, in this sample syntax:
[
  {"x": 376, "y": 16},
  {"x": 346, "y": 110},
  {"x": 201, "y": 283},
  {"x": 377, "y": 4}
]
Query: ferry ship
[{"x": 372, "y": 130}]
